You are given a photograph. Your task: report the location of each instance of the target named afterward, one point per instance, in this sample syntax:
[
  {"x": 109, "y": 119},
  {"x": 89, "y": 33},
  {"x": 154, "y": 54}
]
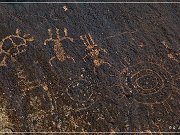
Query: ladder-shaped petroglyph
[
  {"x": 28, "y": 86},
  {"x": 171, "y": 53},
  {"x": 93, "y": 51},
  {"x": 13, "y": 45},
  {"x": 29, "y": 90},
  {"x": 24, "y": 83},
  {"x": 57, "y": 42}
]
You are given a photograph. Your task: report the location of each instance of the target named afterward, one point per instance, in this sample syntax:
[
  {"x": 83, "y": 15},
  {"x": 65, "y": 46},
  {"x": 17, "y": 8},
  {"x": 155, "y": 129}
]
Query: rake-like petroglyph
[
  {"x": 171, "y": 53},
  {"x": 93, "y": 51}
]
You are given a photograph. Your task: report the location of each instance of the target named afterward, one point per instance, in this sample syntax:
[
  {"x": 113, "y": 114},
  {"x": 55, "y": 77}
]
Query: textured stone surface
[{"x": 89, "y": 68}]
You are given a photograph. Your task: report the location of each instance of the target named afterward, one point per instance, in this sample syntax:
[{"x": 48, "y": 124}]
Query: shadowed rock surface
[{"x": 89, "y": 68}]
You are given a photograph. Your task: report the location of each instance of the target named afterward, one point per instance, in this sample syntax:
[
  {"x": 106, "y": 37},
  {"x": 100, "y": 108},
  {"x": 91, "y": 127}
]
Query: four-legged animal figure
[
  {"x": 58, "y": 48},
  {"x": 13, "y": 45}
]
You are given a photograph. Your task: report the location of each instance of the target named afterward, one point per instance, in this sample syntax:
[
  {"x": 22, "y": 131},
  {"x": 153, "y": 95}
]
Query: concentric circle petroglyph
[
  {"x": 81, "y": 92},
  {"x": 148, "y": 82}
]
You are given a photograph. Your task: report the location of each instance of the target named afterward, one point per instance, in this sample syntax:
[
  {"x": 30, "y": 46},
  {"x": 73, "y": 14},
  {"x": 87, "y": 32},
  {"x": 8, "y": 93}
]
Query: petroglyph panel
[{"x": 89, "y": 68}]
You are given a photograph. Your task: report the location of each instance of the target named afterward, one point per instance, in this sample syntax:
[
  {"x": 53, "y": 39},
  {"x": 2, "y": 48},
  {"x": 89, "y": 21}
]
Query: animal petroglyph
[
  {"x": 58, "y": 48},
  {"x": 93, "y": 51},
  {"x": 14, "y": 45}
]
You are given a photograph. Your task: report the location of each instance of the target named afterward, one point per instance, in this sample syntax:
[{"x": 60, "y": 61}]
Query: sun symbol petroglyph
[
  {"x": 58, "y": 48},
  {"x": 14, "y": 45},
  {"x": 148, "y": 82},
  {"x": 93, "y": 51},
  {"x": 81, "y": 92}
]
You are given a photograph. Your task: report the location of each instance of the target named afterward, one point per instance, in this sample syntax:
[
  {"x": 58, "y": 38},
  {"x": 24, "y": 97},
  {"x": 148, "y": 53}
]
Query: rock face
[{"x": 89, "y": 68}]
